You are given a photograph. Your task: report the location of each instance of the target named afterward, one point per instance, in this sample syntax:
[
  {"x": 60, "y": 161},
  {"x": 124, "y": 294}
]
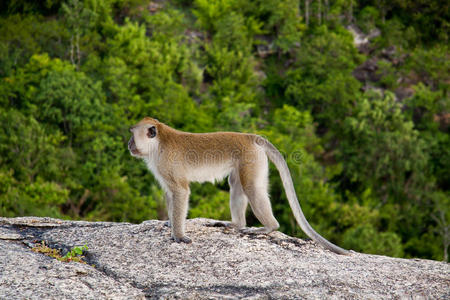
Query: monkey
[{"x": 177, "y": 158}]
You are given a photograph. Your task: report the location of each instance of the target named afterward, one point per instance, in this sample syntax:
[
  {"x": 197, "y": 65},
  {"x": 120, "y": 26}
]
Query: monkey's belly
[{"x": 210, "y": 173}]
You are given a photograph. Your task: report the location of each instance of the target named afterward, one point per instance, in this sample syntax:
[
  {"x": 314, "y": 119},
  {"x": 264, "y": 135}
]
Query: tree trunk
[
  {"x": 350, "y": 13},
  {"x": 307, "y": 12},
  {"x": 300, "y": 7},
  {"x": 319, "y": 11},
  {"x": 78, "y": 52},
  {"x": 71, "y": 50}
]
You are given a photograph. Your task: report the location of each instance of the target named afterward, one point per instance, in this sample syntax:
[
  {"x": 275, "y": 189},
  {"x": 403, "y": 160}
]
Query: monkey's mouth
[
  {"x": 132, "y": 147},
  {"x": 135, "y": 152}
]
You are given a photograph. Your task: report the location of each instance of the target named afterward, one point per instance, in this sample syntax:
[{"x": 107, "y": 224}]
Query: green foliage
[
  {"x": 378, "y": 137},
  {"x": 322, "y": 79},
  {"x": 120, "y": 202},
  {"x": 282, "y": 19},
  {"x": 68, "y": 99},
  {"x": 388, "y": 74},
  {"x": 26, "y": 148},
  {"x": 366, "y": 238},
  {"x": 429, "y": 18},
  {"x": 367, "y": 18},
  {"x": 208, "y": 12},
  {"x": 425, "y": 105},
  {"x": 75, "y": 252},
  {"x": 232, "y": 33},
  {"x": 168, "y": 23},
  {"x": 210, "y": 203},
  {"x": 47, "y": 7},
  {"x": 431, "y": 66},
  {"x": 40, "y": 198},
  {"x": 23, "y": 35},
  {"x": 370, "y": 170},
  {"x": 234, "y": 82}
]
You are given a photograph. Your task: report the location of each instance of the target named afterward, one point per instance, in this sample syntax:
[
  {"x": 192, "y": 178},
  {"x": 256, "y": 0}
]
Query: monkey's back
[
  {"x": 209, "y": 156},
  {"x": 225, "y": 143}
]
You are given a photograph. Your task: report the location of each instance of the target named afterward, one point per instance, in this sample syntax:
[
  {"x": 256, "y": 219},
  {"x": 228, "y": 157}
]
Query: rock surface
[{"x": 137, "y": 261}]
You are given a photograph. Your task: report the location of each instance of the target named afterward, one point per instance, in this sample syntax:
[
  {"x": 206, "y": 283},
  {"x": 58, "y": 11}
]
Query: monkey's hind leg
[
  {"x": 178, "y": 214},
  {"x": 255, "y": 188},
  {"x": 238, "y": 204},
  {"x": 238, "y": 201}
]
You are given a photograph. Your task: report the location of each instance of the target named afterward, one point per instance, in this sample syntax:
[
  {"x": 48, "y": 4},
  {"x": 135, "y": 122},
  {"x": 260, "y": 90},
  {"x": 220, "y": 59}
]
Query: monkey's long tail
[{"x": 276, "y": 157}]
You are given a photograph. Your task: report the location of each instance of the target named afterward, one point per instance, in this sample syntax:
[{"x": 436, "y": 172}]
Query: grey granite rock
[{"x": 135, "y": 261}]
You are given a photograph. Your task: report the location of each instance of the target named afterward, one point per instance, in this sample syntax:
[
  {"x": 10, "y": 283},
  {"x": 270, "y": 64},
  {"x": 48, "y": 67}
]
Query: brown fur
[{"x": 176, "y": 158}]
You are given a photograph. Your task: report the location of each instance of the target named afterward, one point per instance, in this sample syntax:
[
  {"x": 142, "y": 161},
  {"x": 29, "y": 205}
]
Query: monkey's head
[{"x": 143, "y": 139}]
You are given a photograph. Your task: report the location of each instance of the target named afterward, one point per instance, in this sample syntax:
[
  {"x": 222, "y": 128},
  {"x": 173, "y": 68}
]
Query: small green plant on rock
[{"x": 75, "y": 254}]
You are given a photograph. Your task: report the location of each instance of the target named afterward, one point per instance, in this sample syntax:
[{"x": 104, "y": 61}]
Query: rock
[
  {"x": 367, "y": 71},
  {"x": 374, "y": 33},
  {"x": 265, "y": 50},
  {"x": 403, "y": 92},
  {"x": 389, "y": 52},
  {"x": 194, "y": 36},
  {"x": 443, "y": 119},
  {"x": 154, "y": 7},
  {"x": 265, "y": 45},
  {"x": 133, "y": 261},
  {"x": 8, "y": 234},
  {"x": 28, "y": 275},
  {"x": 360, "y": 39}
]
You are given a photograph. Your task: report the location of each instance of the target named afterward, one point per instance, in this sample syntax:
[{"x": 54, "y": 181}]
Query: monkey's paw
[{"x": 183, "y": 239}]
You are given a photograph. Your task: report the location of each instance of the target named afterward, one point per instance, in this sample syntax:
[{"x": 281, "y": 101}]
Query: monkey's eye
[{"x": 151, "y": 132}]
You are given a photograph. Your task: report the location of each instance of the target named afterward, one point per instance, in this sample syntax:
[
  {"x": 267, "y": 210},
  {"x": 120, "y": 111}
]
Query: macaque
[{"x": 177, "y": 158}]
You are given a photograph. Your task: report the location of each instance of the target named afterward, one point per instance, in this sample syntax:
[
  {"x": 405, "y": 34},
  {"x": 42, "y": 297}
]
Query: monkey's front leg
[
  {"x": 178, "y": 214},
  {"x": 169, "y": 208}
]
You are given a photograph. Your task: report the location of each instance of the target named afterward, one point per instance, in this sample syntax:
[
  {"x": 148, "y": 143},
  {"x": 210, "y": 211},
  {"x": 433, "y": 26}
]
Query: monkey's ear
[{"x": 151, "y": 133}]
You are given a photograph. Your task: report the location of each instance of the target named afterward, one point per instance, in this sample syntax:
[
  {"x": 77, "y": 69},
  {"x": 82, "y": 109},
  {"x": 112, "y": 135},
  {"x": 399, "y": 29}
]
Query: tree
[
  {"x": 70, "y": 100},
  {"x": 321, "y": 79},
  {"x": 381, "y": 148},
  {"x": 29, "y": 160}
]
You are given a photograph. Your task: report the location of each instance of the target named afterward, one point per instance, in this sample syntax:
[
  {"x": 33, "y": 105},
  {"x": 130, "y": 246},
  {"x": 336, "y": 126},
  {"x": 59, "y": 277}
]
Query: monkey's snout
[{"x": 131, "y": 145}]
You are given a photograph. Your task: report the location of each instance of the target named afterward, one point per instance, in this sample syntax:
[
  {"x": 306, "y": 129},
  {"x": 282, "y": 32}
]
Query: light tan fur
[{"x": 177, "y": 158}]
